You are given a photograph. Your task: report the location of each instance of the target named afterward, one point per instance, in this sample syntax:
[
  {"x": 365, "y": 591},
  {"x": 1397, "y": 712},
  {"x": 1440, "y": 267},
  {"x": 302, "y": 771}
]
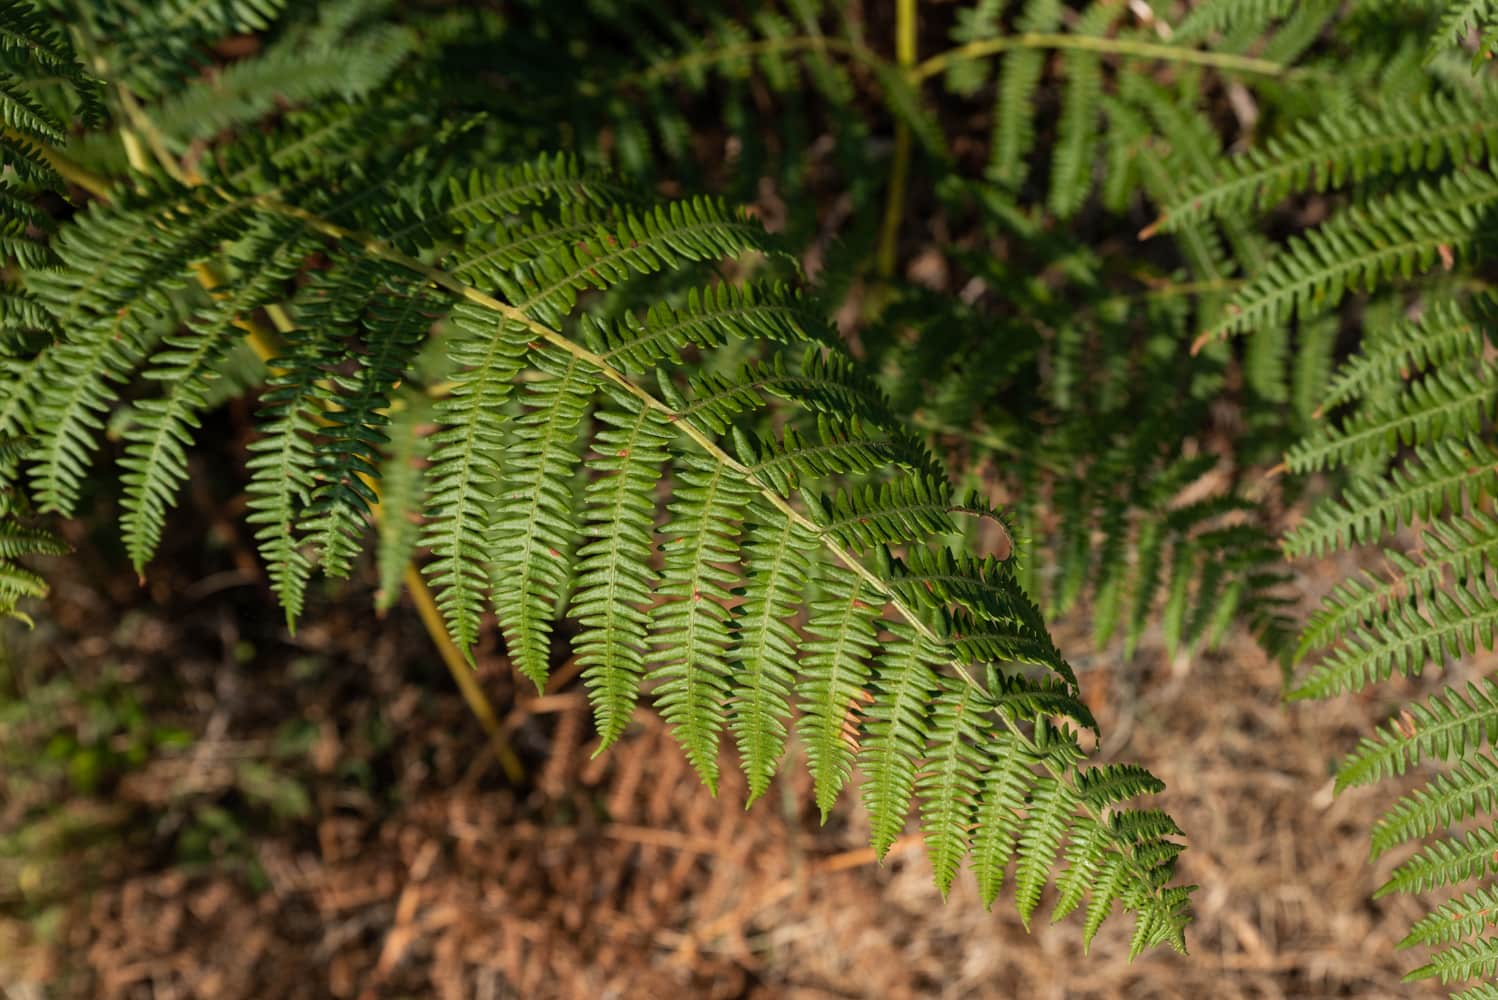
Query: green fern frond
[
  {"x": 1448, "y": 332},
  {"x": 155, "y": 460},
  {"x": 1470, "y": 914},
  {"x": 1456, "y": 622},
  {"x": 1461, "y": 18},
  {"x": 535, "y": 526},
  {"x": 1224, "y": 15},
  {"x": 766, "y": 645},
  {"x": 1470, "y": 788},
  {"x": 948, "y": 787},
  {"x": 833, "y": 678},
  {"x": 707, "y": 474},
  {"x": 1444, "y": 474},
  {"x": 1339, "y": 149},
  {"x": 395, "y": 321},
  {"x": 1452, "y": 724},
  {"x": 487, "y": 352},
  {"x": 1001, "y": 806},
  {"x": 614, "y": 574},
  {"x": 1362, "y": 248},
  {"x": 897, "y": 726},
  {"x": 1462, "y": 547},
  {"x": 1014, "y": 127},
  {"x": 1077, "y": 129},
  {"x": 19, "y": 539},
  {"x": 1447, "y": 402},
  {"x": 690, "y": 630},
  {"x": 1040, "y": 839},
  {"x": 283, "y": 463},
  {"x": 1445, "y": 862},
  {"x": 1463, "y": 961}
]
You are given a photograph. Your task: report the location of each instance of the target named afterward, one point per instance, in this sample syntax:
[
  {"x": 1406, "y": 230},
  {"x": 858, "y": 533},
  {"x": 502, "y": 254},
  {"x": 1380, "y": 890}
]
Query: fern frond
[
  {"x": 1444, "y": 474},
  {"x": 615, "y": 580},
  {"x": 1452, "y": 724},
  {"x": 155, "y": 457},
  {"x": 1014, "y": 127},
  {"x": 395, "y": 321},
  {"x": 690, "y": 630},
  {"x": 487, "y": 353},
  {"x": 1469, "y": 788},
  {"x": 896, "y": 733},
  {"x": 1463, "y": 961},
  {"x": 1339, "y": 149},
  {"x": 777, "y": 568},
  {"x": 833, "y": 677},
  {"x": 1040, "y": 839},
  {"x": 1077, "y": 130},
  {"x": 948, "y": 786},
  {"x": 283, "y": 461},
  {"x": 1462, "y": 547},
  {"x": 1455, "y": 623},
  {"x": 1362, "y": 248},
  {"x": 1445, "y": 862},
  {"x": 535, "y": 525},
  {"x": 1447, "y": 402},
  {"x": 1447, "y": 332},
  {"x": 1459, "y": 19},
  {"x": 1469, "y": 914},
  {"x": 18, "y": 539}
]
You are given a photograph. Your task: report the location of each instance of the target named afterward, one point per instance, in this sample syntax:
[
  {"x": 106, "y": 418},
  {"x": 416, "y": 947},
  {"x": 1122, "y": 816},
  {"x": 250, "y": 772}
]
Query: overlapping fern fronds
[
  {"x": 690, "y": 470},
  {"x": 1405, "y": 423}
]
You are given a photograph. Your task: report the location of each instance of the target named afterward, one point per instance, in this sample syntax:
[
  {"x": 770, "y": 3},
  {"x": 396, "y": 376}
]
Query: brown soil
[{"x": 418, "y": 870}]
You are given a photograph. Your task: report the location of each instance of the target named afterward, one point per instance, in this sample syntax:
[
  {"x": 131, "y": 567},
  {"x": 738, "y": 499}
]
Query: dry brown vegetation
[{"x": 419, "y": 870}]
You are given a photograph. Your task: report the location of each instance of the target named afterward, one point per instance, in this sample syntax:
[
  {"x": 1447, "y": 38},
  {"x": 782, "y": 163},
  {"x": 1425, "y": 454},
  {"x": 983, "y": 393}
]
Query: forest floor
[{"x": 264, "y": 815}]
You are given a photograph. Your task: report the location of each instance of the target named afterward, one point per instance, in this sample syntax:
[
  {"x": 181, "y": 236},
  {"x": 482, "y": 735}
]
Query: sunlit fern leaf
[
  {"x": 487, "y": 352},
  {"x": 1452, "y": 724},
  {"x": 1447, "y": 402},
  {"x": 615, "y": 580},
  {"x": 830, "y": 688},
  {"x": 1456, "y": 623},
  {"x": 766, "y": 643},
  {"x": 1468, "y": 789},
  {"x": 1445, "y": 862},
  {"x": 1448, "y": 331},
  {"x": 727, "y": 415},
  {"x": 896, "y": 728},
  {"x": 1441, "y": 475},
  {"x": 948, "y": 786},
  {"x": 689, "y": 631},
  {"x": 1467, "y": 960},
  {"x": 535, "y": 526},
  {"x": 1462, "y": 547},
  {"x": 1006, "y": 786},
  {"x": 1041, "y": 836},
  {"x": 1389, "y": 238},
  {"x": 1469, "y": 914}
]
